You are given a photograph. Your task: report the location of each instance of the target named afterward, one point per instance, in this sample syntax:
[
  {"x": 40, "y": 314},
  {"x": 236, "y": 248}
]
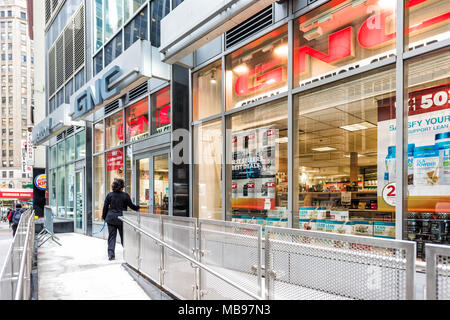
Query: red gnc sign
[{"x": 341, "y": 45}]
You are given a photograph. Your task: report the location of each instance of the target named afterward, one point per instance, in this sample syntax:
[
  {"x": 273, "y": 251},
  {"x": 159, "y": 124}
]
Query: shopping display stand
[{"x": 47, "y": 232}]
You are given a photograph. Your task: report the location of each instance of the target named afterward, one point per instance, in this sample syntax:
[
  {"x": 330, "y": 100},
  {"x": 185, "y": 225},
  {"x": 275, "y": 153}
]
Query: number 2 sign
[{"x": 389, "y": 194}]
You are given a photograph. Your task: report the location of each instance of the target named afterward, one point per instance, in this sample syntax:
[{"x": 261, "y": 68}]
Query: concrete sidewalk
[{"x": 80, "y": 270}]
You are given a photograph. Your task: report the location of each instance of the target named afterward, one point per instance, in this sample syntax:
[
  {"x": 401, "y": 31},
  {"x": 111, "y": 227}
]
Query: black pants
[
  {"x": 14, "y": 228},
  {"x": 112, "y": 235}
]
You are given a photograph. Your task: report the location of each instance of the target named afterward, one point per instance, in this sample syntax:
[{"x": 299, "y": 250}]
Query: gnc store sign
[{"x": 337, "y": 37}]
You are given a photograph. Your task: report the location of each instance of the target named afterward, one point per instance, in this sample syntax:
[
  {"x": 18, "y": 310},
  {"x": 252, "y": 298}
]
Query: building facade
[
  {"x": 109, "y": 109},
  {"x": 17, "y": 74},
  {"x": 295, "y": 120}
]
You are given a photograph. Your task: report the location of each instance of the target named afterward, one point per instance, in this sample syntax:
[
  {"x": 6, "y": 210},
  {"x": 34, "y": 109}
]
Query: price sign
[{"x": 389, "y": 194}]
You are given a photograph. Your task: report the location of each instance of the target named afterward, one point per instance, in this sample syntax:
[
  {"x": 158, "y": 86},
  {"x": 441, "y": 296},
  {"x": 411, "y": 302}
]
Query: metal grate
[
  {"x": 60, "y": 136},
  {"x": 48, "y": 11},
  {"x": 112, "y": 106},
  {"x": 306, "y": 265},
  {"x": 51, "y": 72},
  {"x": 256, "y": 23},
  {"x": 68, "y": 51},
  {"x": 438, "y": 272},
  {"x": 78, "y": 22},
  {"x": 59, "y": 61},
  {"x": 220, "y": 240},
  {"x": 138, "y": 91}
]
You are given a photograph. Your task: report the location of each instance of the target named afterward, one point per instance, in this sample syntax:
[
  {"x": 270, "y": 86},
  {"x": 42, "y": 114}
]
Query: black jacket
[{"x": 115, "y": 204}]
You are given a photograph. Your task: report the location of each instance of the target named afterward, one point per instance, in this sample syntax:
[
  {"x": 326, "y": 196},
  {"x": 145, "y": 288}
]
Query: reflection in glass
[
  {"x": 143, "y": 184},
  {"x": 114, "y": 130},
  {"x": 208, "y": 170},
  {"x": 161, "y": 184},
  {"x": 207, "y": 91},
  {"x": 161, "y": 109},
  {"x": 99, "y": 187}
]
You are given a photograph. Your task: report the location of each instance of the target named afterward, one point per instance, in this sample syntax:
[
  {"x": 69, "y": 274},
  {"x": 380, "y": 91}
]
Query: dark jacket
[{"x": 115, "y": 204}]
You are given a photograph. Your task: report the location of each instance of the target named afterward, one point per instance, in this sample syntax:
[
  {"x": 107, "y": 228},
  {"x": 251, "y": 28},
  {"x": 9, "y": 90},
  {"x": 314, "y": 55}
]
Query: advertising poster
[
  {"x": 428, "y": 151},
  {"x": 39, "y": 190},
  {"x": 254, "y": 168}
]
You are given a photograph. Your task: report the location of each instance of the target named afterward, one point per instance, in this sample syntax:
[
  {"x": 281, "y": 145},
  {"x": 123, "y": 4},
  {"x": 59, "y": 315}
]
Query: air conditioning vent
[
  {"x": 111, "y": 107},
  {"x": 70, "y": 131},
  {"x": 78, "y": 127},
  {"x": 249, "y": 27},
  {"x": 60, "y": 136},
  {"x": 138, "y": 91}
]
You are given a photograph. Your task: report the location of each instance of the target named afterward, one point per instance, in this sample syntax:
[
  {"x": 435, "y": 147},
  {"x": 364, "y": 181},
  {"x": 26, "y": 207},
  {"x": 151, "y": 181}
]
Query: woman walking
[{"x": 116, "y": 202}]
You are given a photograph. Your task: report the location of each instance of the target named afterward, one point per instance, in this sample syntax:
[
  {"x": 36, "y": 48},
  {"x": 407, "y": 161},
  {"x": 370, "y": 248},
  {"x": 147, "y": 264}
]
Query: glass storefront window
[
  {"x": 99, "y": 137},
  {"x": 137, "y": 121},
  {"x": 99, "y": 187},
  {"x": 53, "y": 152},
  {"x": 161, "y": 184},
  {"x": 61, "y": 154},
  {"x": 161, "y": 118},
  {"x": 428, "y": 22},
  {"x": 70, "y": 192},
  {"x": 114, "y": 130},
  {"x": 257, "y": 70},
  {"x": 344, "y": 156},
  {"x": 340, "y": 36},
  {"x": 70, "y": 149},
  {"x": 52, "y": 188},
  {"x": 80, "y": 145},
  {"x": 60, "y": 192},
  {"x": 257, "y": 165},
  {"x": 207, "y": 91},
  {"x": 428, "y": 218},
  {"x": 208, "y": 170},
  {"x": 114, "y": 167}
]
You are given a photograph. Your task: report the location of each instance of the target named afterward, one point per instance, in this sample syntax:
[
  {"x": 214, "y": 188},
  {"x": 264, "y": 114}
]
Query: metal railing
[
  {"x": 15, "y": 277},
  {"x": 438, "y": 272},
  {"x": 318, "y": 265},
  {"x": 168, "y": 254},
  {"x": 204, "y": 259}
]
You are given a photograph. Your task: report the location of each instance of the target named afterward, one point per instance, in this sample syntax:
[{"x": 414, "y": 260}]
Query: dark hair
[
  {"x": 117, "y": 185},
  {"x": 18, "y": 206}
]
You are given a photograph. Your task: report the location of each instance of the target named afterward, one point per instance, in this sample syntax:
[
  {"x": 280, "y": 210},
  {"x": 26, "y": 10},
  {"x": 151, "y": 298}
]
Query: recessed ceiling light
[
  {"x": 282, "y": 140},
  {"x": 323, "y": 149},
  {"x": 358, "y": 126},
  {"x": 241, "y": 69}
]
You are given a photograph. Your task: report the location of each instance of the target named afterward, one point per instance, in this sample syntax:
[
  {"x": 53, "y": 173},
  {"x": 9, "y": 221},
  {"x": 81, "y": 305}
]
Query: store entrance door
[
  {"x": 152, "y": 183},
  {"x": 80, "y": 217}
]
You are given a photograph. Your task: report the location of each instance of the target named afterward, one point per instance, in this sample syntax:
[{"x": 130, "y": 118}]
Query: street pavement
[
  {"x": 80, "y": 270},
  {"x": 5, "y": 241}
]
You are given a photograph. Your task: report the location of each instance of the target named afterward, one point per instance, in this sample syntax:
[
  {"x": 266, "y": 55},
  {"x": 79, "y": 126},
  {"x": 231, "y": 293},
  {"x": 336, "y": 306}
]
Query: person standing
[
  {"x": 16, "y": 217},
  {"x": 116, "y": 202}
]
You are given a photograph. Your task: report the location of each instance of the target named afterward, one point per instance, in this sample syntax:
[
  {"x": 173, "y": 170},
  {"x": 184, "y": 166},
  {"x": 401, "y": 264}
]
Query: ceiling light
[
  {"x": 324, "y": 149},
  {"x": 358, "y": 126},
  {"x": 240, "y": 69},
  {"x": 359, "y": 155},
  {"x": 282, "y": 50}
]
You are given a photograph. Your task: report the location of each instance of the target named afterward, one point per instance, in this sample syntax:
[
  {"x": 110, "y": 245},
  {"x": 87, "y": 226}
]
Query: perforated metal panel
[
  {"x": 68, "y": 51},
  {"x": 438, "y": 272},
  {"x": 306, "y": 265},
  {"x": 48, "y": 10},
  {"x": 51, "y": 71},
  {"x": 150, "y": 251},
  {"x": 79, "y": 38},
  {"x": 131, "y": 241},
  {"x": 233, "y": 250},
  {"x": 179, "y": 274},
  {"x": 59, "y": 47}
]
